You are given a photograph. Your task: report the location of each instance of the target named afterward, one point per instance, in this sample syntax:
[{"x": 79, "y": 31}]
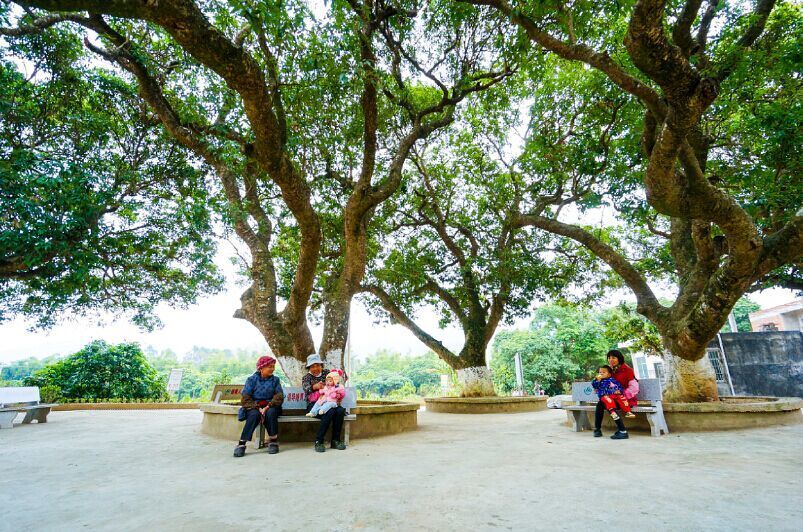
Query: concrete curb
[
  {"x": 66, "y": 407},
  {"x": 486, "y": 405}
]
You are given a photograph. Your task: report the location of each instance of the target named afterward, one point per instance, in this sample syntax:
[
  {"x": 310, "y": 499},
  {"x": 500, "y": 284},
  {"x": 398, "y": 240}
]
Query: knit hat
[{"x": 266, "y": 360}]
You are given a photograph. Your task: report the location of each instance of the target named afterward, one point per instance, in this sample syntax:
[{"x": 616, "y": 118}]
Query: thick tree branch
[
  {"x": 758, "y": 19},
  {"x": 39, "y": 24},
  {"x": 579, "y": 52},
  {"x": 399, "y": 315},
  {"x": 681, "y": 33},
  {"x": 648, "y": 304}
]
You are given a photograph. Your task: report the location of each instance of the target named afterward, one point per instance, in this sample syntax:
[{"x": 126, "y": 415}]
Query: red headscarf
[{"x": 267, "y": 360}]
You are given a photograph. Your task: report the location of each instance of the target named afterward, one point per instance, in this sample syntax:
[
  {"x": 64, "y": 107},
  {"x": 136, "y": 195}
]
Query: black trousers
[
  {"x": 600, "y": 412},
  {"x": 253, "y": 418},
  {"x": 333, "y": 417}
]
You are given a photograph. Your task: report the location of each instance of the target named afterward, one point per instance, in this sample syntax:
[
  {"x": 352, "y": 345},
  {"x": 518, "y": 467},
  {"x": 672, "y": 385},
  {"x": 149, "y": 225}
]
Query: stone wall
[{"x": 765, "y": 363}]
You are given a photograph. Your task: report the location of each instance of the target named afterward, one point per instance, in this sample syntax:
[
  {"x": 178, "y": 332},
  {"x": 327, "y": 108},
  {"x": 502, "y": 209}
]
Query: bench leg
[
  {"x": 346, "y": 430},
  {"x": 7, "y": 419},
  {"x": 29, "y": 415},
  {"x": 41, "y": 415},
  {"x": 654, "y": 429},
  {"x": 260, "y": 436},
  {"x": 660, "y": 420},
  {"x": 580, "y": 420}
]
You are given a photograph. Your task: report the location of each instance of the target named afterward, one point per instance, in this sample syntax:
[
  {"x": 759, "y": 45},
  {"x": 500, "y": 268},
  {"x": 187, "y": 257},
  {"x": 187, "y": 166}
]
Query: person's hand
[
  {"x": 617, "y": 392},
  {"x": 317, "y": 386},
  {"x": 598, "y": 377},
  {"x": 263, "y": 410}
]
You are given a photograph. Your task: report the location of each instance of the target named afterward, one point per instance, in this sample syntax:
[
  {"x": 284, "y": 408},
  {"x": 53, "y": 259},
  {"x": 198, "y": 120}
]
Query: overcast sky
[{"x": 210, "y": 324}]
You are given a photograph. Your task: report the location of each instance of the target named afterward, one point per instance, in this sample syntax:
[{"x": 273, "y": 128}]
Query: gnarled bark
[
  {"x": 689, "y": 381},
  {"x": 713, "y": 272}
]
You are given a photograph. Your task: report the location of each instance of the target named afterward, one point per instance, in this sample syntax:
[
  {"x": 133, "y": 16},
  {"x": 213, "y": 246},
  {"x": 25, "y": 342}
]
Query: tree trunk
[
  {"x": 289, "y": 340},
  {"x": 689, "y": 381},
  {"x": 475, "y": 381},
  {"x": 473, "y": 374},
  {"x": 293, "y": 368},
  {"x": 335, "y": 333}
]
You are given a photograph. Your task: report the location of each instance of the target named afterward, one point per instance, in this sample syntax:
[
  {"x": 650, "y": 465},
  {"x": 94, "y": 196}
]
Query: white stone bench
[
  {"x": 22, "y": 399},
  {"x": 294, "y": 400},
  {"x": 649, "y": 402}
]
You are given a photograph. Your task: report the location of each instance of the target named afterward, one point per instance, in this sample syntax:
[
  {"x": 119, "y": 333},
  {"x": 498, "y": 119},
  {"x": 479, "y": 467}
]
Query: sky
[{"x": 209, "y": 323}]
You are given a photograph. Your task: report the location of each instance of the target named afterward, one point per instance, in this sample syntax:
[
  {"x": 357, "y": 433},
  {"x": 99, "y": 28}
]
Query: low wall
[
  {"x": 124, "y": 406},
  {"x": 374, "y": 418},
  {"x": 729, "y": 413},
  {"x": 486, "y": 405},
  {"x": 765, "y": 363}
]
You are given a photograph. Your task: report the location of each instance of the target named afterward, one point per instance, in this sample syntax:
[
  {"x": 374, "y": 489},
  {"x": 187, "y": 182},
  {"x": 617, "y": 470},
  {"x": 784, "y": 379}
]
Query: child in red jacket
[{"x": 606, "y": 387}]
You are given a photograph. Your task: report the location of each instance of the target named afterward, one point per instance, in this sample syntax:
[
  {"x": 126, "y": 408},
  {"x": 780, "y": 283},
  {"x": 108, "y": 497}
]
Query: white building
[{"x": 788, "y": 317}]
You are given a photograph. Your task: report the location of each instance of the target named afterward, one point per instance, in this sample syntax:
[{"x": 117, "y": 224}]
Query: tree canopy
[
  {"x": 465, "y": 149},
  {"x": 98, "y": 208}
]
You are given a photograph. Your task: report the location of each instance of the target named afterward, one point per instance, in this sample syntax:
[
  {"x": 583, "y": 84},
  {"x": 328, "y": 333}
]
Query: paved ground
[{"x": 153, "y": 470}]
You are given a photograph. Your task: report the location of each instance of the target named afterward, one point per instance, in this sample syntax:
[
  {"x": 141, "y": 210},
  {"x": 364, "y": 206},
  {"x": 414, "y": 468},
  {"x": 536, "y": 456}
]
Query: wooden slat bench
[
  {"x": 22, "y": 399},
  {"x": 293, "y": 409},
  {"x": 649, "y": 403}
]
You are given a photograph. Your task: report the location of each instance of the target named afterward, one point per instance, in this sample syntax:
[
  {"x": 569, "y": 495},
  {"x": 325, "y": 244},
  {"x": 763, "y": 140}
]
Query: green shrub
[
  {"x": 49, "y": 393},
  {"x": 100, "y": 371}
]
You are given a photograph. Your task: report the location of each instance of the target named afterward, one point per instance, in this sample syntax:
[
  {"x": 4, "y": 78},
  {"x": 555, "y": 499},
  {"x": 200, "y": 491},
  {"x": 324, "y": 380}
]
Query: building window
[
  {"x": 659, "y": 372},
  {"x": 769, "y": 327},
  {"x": 641, "y": 366},
  {"x": 715, "y": 356}
]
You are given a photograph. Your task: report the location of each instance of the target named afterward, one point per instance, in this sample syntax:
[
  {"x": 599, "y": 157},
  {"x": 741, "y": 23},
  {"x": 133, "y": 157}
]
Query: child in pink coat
[{"x": 331, "y": 393}]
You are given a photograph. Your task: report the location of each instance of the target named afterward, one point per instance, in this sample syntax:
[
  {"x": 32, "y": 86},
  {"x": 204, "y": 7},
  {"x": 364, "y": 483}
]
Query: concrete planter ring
[
  {"x": 729, "y": 413},
  {"x": 486, "y": 405}
]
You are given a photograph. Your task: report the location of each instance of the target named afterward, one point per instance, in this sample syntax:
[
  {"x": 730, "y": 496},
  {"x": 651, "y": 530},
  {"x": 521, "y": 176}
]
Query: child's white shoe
[
  {"x": 310, "y": 414},
  {"x": 630, "y": 414}
]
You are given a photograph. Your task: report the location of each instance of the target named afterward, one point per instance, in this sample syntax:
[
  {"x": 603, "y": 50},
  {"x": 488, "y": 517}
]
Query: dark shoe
[
  {"x": 339, "y": 445},
  {"x": 273, "y": 447},
  {"x": 597, "y": 433},
  {"x": 239, "y": 451},
  {"x": 319, "y": 447},
  {"x": 619, "y": 435}
]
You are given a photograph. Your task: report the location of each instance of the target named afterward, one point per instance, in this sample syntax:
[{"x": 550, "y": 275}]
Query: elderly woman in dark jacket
[
  {"x": 312, "y": 383},
  {"x": 262, "y": 399}
]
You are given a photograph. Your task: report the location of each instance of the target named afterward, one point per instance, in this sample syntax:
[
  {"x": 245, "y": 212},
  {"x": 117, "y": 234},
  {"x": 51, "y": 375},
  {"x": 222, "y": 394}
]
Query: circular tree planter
[
  {"x": 64, "y": 407},
  {"x": 486, "y": 405},
  {"x": 374, "y": 418},
  {"x": 729, "y": 413}
]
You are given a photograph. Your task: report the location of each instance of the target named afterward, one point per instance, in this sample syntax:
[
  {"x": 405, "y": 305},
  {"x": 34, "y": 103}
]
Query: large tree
[
  {"x": 721, "y": 146},
  {"x": 305, "y": 121},
  {"x": 453, "y": 244},
  {"x": 98, "y": 208}
]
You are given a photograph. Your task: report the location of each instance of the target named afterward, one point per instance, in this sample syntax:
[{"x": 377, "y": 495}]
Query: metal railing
[{"x": 715, "y": 357}]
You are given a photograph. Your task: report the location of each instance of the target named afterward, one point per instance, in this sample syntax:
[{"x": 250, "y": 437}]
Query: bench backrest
[
  {"x": 649, "y": 391},
  {"x": 294, "y": 397},
  {"x": 18, "y": 395}
]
